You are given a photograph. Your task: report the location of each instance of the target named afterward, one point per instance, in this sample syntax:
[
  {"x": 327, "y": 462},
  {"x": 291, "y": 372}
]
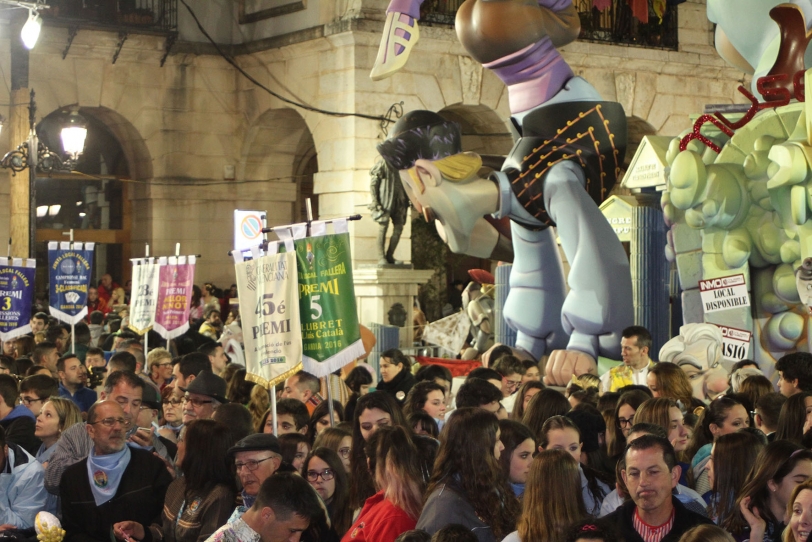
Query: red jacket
[{"x": 379, "y": 521}]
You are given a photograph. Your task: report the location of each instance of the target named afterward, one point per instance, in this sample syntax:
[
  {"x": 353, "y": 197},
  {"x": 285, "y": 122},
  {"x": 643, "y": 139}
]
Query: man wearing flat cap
[
  {"x": 256, "y": 458},
  {"x": 203, "y": 396}
]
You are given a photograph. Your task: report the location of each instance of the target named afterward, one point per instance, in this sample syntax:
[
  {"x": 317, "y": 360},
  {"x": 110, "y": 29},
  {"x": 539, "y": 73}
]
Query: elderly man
[
  {"x": 22, "y": 494},
  {"x": 127, "y": 390},
  {"x": 256, "y": 457},
  {"x": 653, "y": 513},
  {"x": 114, "y": 483},
  {"x": 284, "y": 508},
  {"x": 203, "y": 396}
]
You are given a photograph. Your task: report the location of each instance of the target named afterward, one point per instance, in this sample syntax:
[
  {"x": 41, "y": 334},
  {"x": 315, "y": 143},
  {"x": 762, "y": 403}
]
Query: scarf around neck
[{"x": 105, "y": 472}]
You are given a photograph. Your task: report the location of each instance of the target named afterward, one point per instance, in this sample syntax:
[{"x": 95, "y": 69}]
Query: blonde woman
[{"x": 57, "y": 414}]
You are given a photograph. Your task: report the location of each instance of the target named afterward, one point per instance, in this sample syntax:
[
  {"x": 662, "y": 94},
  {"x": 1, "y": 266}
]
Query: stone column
[{"x": 649, "y": 268}]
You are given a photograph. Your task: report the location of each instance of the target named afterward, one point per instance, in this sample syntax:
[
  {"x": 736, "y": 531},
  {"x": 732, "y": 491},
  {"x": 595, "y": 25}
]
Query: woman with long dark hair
[
  {"x": 428, "y": 397},
  {"x": 762, "y": 503},
  {"x": 467, "y": 485},
  {"x": 722, "y": 416},
  {"x": 201, "y": 501},
  {"x": 552, "y": 500},
  {"x": 325, "y": 472},
  {"x": 394, "y": 509},
  {"x": 623, "y": 420},
  {"x": 374, "y": 410},
  {"x": 732, "y": 458},
  {"x": 543, "y": 406},
  {"x": 515, "y": 460},
  {"x": 523, "y": 396},
  {"x": 793, "y": 418},
  {"x": 320, "y": 419}
]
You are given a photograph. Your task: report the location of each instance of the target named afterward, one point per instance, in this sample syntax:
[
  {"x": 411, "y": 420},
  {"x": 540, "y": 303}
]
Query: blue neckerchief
[
  {"x": 104, "y": 472},
  {"x": 440, "y": 423},
  {"x": 248, "y": 500},
  {"x": 518, "y": 489}
]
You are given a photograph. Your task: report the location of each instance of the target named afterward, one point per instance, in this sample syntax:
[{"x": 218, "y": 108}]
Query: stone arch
[
  {"x": 484, "y": 131},
  {"x": 636, "y": 128},
  {"x": 279, "y": 146}
]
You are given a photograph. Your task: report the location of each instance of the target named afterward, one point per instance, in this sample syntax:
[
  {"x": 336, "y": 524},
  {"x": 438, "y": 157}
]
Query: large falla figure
[{"x": 568, "y": 151}]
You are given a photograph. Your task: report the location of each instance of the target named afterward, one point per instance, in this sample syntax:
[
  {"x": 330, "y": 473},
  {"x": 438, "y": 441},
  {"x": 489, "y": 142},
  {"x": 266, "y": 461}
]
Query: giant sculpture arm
[{"x": 557, "y": 19}]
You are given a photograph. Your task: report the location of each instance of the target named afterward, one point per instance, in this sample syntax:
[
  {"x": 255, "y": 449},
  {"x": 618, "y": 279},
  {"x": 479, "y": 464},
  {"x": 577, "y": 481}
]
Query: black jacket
[
  {"x": 401, "y": 384},
  {"x": 684, "y": 520},
  {"x": 140, "y": 498}
]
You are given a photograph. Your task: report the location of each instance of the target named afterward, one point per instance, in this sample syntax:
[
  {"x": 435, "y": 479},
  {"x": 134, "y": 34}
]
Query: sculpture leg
[
  {"x": 397, "y": 230},
  {"x": 533, "y": 306},
  {"x": 599, "y": 305},
  {"x": 382, "y": 243}
]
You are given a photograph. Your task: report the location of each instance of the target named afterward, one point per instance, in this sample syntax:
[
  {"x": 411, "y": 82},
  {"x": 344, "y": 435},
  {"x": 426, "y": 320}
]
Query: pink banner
[{"x": 175, "y": 280}]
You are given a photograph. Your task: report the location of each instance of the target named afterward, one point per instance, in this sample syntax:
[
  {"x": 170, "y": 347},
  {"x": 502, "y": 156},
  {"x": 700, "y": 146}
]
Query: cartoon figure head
[
  {"x": 697, "y": 350},
  {"x": 803, "y": 282},
  {"x": 440, "y": 180}
]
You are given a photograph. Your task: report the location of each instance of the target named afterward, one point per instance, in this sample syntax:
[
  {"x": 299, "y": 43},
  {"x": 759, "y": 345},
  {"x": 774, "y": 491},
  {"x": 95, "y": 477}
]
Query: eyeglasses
[
  {"x": 167, "y": 364},
  {"x": 110, "y": 422},
  {"x": 326, "y": 474},
  {"x": 24, "y": 400},
  {"x": 344, "y": 452},
  {"x": 197, "y": 402},
  {"x": 512, "y": 383},
  {"x": 173, "y": 402},
  {"x": 251, "y": 464},
  {"x": 623, "y": 422}
]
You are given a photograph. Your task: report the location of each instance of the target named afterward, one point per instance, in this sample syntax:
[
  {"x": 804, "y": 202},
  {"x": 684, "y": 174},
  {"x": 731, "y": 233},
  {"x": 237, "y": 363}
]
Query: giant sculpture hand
[{"x": 565, "y": 161}]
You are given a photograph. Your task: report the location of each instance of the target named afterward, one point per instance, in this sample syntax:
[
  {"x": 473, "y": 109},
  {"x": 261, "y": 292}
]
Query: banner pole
[
  {"x": 273, "y": 409},
  {"x": 330, "y": 399},
  {"x": 72, "y": 339}
]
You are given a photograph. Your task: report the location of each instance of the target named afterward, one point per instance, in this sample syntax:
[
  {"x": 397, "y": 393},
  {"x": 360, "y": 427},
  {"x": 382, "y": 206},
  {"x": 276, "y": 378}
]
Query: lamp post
[{"x": 33, "y": 155}]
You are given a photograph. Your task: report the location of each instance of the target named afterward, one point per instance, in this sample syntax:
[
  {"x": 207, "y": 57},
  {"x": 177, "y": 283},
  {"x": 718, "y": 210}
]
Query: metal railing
[
  {"x": 615, "y": 25},
  {"x": 156, "y": 15}
]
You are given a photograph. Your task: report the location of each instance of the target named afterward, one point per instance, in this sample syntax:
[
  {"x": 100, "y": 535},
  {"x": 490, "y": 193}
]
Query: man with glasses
[
  {"x": 203, "y": 396},
  {"x": 127, "y": 390},
  {"x": 256, "y": 458},
  {"x": 512, "y": 371},
  {"x": 17, "y": 421},
  {"x": 114, "y": 483},
  {"x": 35, "y": 390}
]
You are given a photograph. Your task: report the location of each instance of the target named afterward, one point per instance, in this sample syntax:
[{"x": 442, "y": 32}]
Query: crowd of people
[{"x": 170, "y": 441}]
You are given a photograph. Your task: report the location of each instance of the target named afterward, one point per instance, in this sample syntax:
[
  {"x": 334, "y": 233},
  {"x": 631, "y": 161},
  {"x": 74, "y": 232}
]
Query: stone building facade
[{"x": 201, "y": 140}]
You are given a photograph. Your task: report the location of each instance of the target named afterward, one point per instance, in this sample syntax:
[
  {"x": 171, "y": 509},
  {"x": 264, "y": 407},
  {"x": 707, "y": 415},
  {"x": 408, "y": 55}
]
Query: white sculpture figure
[{"x": 698, "y": 352}]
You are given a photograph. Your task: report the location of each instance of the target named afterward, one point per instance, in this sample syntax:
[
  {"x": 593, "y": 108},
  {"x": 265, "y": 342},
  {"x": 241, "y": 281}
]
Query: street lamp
[{"x": 35, "y": 156}]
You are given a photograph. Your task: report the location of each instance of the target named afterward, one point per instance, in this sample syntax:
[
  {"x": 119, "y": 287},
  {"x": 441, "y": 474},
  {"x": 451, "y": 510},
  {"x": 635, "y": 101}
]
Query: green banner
[{"x": 331, "y": 337}]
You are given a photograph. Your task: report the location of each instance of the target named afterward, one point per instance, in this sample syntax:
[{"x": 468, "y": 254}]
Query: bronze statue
[{"x": 389, "y": 202}]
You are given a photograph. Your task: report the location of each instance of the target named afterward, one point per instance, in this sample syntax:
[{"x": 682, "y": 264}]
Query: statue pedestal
[{"x": 377, "y": 289}]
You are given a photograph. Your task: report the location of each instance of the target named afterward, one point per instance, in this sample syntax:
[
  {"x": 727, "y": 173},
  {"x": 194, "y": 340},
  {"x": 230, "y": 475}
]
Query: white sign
[
  {"x": 247, "y": 229},
  {"x": 735, "y": 343},
  {"x": 724, "y": 293}
]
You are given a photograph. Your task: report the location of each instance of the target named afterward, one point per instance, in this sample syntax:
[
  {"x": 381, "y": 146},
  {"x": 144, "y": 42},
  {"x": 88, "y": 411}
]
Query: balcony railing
[
  {"x": 614, "y": 25},
  {"x": 152, "y": 15}
]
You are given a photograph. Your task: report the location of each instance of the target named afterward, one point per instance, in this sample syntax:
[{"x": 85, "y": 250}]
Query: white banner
[
  {"x": 735, "y": 343},
  {"x": 144, "y": 298},
  {"x": 267, "y": 288},
  {"x": 449, "y": 332},
  {"x": 724, "y": 293}
]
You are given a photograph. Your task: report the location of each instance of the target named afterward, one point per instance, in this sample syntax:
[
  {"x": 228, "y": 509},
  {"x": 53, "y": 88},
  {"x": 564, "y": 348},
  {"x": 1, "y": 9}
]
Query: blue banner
[
  {"x": 16, "y": 296},
  {"x": 69, "y": 272}
]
